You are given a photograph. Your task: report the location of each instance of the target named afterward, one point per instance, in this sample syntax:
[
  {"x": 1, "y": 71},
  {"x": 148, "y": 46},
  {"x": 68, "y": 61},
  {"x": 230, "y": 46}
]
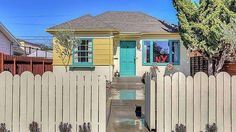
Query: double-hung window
[
  {"x": 161, "y": 52},
  {"x": 83, "y": 53}
]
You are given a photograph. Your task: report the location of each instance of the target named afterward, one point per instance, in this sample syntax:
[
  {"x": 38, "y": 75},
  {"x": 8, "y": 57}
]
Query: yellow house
[{"x": 125, "y": 42}]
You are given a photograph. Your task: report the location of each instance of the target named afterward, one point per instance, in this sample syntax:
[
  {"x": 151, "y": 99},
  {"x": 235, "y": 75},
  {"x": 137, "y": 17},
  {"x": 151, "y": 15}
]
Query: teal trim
[
  {"x": 170, "y": 42},
  {"x": 179, "y": 52},
  {"x": 82, "y": 64},
  {"x": 151, "y": 52},
  {"x": 128, "y": 58}
]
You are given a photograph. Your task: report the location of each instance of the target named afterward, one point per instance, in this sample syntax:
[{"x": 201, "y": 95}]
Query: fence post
[
  {"x": 43, "y": 66},
  {"x": 31, "y": 65},
  {"x": 14, "y": 66},
  {"x": 1, "y": 62}
]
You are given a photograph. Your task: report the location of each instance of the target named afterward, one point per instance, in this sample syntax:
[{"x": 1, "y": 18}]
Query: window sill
[{"x": 159, "y": 64}]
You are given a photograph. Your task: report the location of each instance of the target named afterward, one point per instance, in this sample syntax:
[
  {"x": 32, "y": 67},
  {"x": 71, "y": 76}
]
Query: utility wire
[
  {"x": 37, "y": 16},
  {"x": 33, "y": 36},
  {"x": 31, "y": 24}
]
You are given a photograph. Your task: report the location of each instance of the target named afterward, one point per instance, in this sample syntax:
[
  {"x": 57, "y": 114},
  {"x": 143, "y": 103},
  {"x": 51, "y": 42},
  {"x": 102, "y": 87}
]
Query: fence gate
[
  {"x": 191, "y": 102},
  {"x": 150, "y": 101}
]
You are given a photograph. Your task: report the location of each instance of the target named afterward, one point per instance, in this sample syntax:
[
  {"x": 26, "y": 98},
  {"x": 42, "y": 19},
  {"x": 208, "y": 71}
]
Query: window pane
[
  {"x": 146, "y": 50},
  {"x": 85, "y": 51},
  {"x": 161, "y": 51},
  {"x": 175, "y": 52}
]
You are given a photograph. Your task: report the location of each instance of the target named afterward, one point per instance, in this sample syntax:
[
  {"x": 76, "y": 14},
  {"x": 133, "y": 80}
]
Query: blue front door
[{"x": 127, "y": 58}]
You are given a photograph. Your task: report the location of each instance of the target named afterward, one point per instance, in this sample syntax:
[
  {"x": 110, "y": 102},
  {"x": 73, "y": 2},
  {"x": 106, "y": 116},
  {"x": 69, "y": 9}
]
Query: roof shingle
[{"x": 120, "y": 21}]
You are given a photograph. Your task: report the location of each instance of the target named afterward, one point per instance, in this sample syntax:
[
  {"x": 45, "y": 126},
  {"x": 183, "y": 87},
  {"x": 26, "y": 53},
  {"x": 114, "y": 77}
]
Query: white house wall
[
  {"x": 5, "y": 44},
  {"x": 140, "y": 69}
]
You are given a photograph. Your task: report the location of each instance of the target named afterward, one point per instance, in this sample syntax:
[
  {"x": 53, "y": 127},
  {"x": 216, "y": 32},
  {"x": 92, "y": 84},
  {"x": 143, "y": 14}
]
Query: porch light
[{"x": 138, "y": 46}]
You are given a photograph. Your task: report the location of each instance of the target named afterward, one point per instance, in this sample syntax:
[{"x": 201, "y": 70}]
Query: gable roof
[
  {"x": 118, "y": 21},
  {"x": 8, "y": 34}
]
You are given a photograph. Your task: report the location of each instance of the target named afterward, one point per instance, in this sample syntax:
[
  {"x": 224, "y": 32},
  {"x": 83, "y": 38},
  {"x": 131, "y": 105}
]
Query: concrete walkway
[{"x": 122, "y": 117}]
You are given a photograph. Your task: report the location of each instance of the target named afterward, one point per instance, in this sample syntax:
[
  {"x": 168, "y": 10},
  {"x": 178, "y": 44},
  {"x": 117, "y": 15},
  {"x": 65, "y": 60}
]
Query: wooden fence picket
[
  {"x": 190, "y": 104},
  {"x": 182, "y": 99},
  {"x": 204, "y": 100},
  {"x": 168, "y": 107},
  {"x": 30, "y": 98},
  {"x": 95, "y": 102},
  {"x": 16, "y": 103},
  {"x": 2, "y": 97},
  {"x": 37, "y": 99},
  {"x": 23, "y": 102},
  {"x": 153, "y": 103},
  {"x": 197, "y": 102},
  {"x": 50, "y": 99},
  {"x": 73, "y": 101},
  {"x": 175, "y": 100},
  {"x": 160, "y": 102},
  {"x": 227, "y": 102},
  {"x": 59, "y": 100},
  {"x": 102, "y": 104},
  {"x": 80, "y": 100},
  {"x": 87, "y": 93},
  {"x": 212, "y": 99},
  {"x": 220, "y": 102},
  {"x": 66, "y": 97},
  {"x": 8, "y": 105},
  {"x": 233, "y": 82},
  {"x": 148, "y": 100},
  {"x": 45, "y": 100}
]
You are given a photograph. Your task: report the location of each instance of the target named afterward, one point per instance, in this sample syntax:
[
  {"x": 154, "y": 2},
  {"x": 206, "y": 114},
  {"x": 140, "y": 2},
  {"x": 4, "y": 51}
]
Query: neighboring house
[
  {"x": 29, "y": 47},
  {"x": 41, "y": 53},
  {"x": 8, "y": 43},
  {"x": 127, "y": 42}
]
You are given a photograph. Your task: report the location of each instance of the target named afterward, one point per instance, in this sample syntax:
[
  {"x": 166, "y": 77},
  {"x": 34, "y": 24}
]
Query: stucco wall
[
  {"x": 140, "y": 69},
  {"x": 106, "y": 71},
  {"x": 5, "y": 44}
]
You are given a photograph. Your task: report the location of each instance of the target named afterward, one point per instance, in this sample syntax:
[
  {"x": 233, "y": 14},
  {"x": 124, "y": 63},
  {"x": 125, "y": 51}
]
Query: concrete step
[
  {"x": 127, "y": 85},
  {"x": 130, "y": 103},
  {"x": 127, "y": 80}
]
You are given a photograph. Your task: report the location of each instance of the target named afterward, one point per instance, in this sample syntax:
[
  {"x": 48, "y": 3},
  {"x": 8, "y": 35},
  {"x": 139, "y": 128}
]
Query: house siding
[
  {"x": 102, "y": 52},
  {"x": 5, "y": 44},
  {"x": 106, "y": 55},
  {"x": 57, "y": 60}
]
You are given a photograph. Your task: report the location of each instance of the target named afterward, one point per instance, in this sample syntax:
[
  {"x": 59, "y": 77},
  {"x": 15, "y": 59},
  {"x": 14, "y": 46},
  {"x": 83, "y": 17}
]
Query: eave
[{"x": 84, "y": 31}]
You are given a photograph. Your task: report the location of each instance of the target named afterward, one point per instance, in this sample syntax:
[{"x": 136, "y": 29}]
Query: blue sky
[{"x": 31, "y": 17}]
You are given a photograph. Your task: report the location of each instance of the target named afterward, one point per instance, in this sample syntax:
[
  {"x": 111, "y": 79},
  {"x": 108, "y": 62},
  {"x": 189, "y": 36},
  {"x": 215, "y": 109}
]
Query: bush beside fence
[
  {"x": 50, "y": 99},
  {"x": 195, "y": 102}
]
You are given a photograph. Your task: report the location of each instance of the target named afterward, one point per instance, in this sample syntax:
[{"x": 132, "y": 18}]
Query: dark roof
[
  {"x": 29, "y": 43},
  {"x": 119, "y": 21}
]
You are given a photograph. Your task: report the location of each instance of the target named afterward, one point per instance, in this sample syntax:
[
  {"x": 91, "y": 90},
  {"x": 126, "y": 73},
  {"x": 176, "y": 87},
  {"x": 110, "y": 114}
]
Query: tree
[
  {"x": 45, "y": 47},
  {"x": 230, "y": 40},
  {"x": 202, "y": 27},
  {"x": 65, "y": 40}
]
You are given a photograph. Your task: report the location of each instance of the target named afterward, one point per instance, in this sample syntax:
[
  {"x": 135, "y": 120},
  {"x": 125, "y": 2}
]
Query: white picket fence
[
  {"x": 191, "y": 101},
  {"x": 50, "y": 99}
]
